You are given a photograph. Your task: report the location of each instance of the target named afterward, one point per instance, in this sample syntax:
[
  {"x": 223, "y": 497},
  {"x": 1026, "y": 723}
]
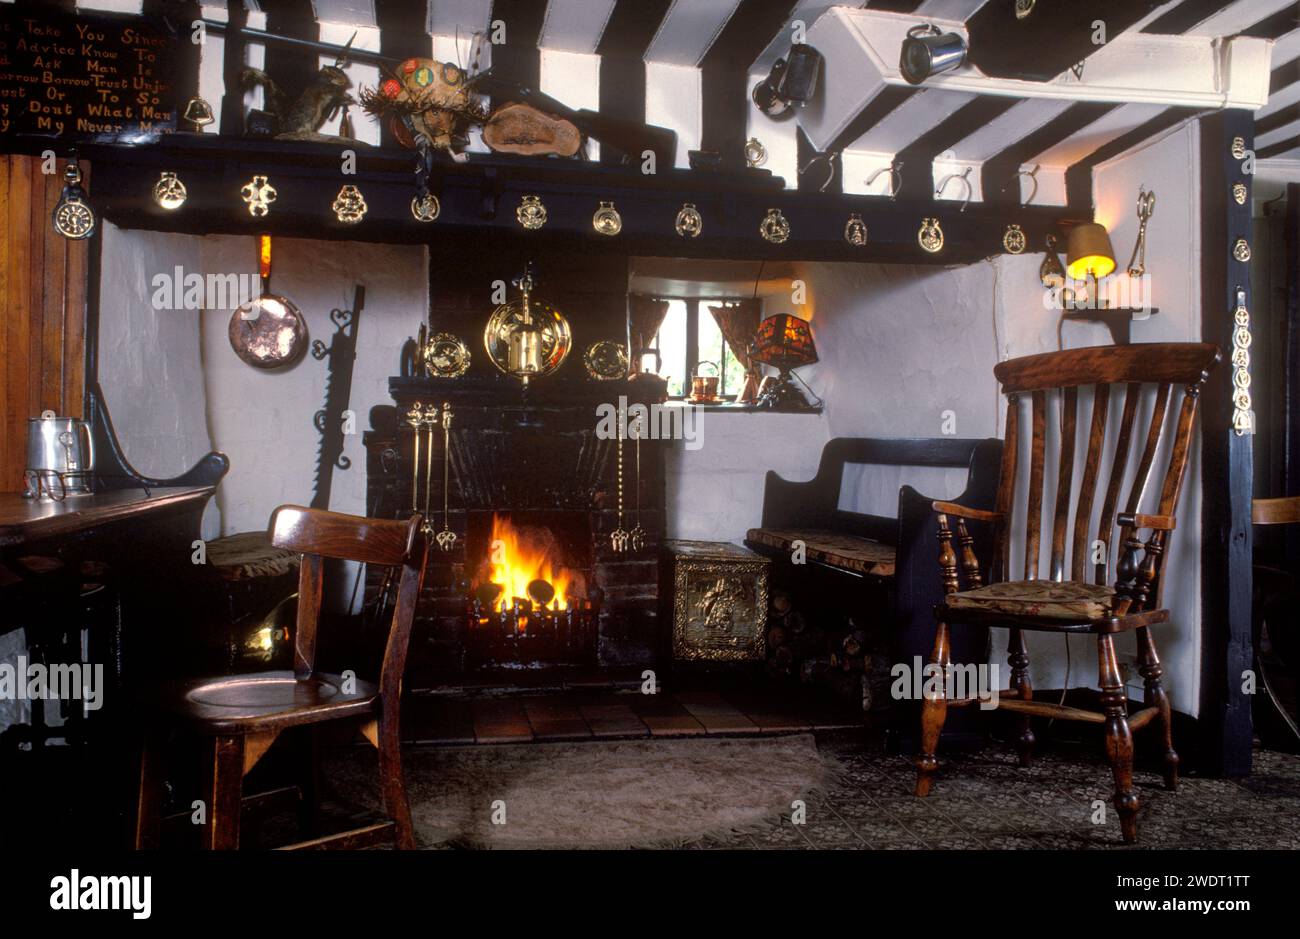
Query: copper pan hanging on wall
[{"x": 269, "y": 331}]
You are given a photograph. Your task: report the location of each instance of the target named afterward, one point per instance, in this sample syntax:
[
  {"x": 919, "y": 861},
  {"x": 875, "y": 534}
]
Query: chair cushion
[
  {"x": 847, "y": 552},
  {"x": 1047, "y": 599},
  {"x": 250, "y": 554}
]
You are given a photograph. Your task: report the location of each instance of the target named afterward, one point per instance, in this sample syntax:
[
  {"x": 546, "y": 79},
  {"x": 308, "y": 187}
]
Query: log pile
[{"x": 840, "y": 658}]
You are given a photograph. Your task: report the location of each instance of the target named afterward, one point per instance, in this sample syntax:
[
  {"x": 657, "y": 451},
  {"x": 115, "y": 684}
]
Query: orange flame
[{"x": 519, "y": 555}]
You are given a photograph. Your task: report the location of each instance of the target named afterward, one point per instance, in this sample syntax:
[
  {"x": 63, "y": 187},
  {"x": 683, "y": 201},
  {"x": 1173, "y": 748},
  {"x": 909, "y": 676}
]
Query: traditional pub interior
[{"x": 669, "y": 424}]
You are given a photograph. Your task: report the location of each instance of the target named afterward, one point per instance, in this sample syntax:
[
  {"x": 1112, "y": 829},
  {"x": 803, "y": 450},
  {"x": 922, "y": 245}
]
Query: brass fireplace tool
[
  {"x": 430, "y": 421},
  {"x": 428, "y": 417},
  {"x": 446, "y": 538},
  {"x": 638, "y": 535},
  {"x": 415, "y": 417},
  {"x": 619, "y": 537}
]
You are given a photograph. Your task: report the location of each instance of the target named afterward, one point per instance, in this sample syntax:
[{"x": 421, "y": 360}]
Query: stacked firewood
[{"x": 837, "y": 656}]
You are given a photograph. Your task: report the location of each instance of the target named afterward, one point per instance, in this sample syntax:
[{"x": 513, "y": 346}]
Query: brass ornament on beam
[
  {"x": 606, "y": 220},
  {"x": 1240, "y": 193},
  {"x": 169, "y": 192},
  {"x": 855, "y": 231},
  {"x": 689, "y": 222},
  {"x": 774, "y": 227},
  {"x": 755, "y": 153},
  {"x": 1238, "y": 148},
  {"x": 1241, "y": 250},
  {"x": 531, "y": 213},
  {"x": 1243, "y": 414},
  {"x": 930, "y": 235},
  {"x": 349, "y": 205},
  {"x": 425, "y": 207},
  {"x": 258, "y": 194},
  {"x": 1013, "y": 240}
]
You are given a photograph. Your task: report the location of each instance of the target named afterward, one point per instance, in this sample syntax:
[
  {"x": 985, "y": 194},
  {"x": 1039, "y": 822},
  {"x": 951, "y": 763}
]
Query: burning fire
[{"x": 519, "y": 555}]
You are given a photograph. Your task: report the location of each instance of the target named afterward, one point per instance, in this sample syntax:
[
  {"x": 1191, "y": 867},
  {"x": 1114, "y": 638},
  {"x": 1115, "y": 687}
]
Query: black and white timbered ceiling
[{"x": 1037, "y": 106}]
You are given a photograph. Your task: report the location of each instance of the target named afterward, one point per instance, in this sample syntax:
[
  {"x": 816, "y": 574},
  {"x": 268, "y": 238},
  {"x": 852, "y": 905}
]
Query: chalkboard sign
[{"x": 85, "y": 76}]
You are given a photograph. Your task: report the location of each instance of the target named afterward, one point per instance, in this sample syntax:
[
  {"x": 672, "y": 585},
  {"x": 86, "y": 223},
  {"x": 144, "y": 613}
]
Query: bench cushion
[
  {"x": 1048, "y": 599},
  {"x": 847, "y": 552}
]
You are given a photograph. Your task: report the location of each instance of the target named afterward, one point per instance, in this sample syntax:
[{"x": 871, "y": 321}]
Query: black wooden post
[{"x": 1226, "y": 463}]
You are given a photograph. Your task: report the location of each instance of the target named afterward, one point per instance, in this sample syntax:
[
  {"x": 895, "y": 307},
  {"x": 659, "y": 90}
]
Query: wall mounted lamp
[{"x": 1090, "y": 257}]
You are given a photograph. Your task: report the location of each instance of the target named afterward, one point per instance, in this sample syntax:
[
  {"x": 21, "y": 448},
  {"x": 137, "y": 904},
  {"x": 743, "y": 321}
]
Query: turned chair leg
[
  {"x": 1119, "y": 738},
  {"x": 1018, "y": 659},
  {"x": 222, "y": 793},
  {"x": 1154, "y": 696},
  {"x": 393, "y": 782},
  {"x": 934, "y": 708}
]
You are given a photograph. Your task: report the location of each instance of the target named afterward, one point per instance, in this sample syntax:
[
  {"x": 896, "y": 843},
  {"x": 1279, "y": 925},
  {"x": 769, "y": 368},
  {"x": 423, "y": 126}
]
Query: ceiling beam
[{"x": 1049, "y": 40}]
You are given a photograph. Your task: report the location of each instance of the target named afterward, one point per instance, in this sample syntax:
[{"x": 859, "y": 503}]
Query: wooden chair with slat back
[
  {"x": 1083, "y": 603},
  {"x": 240, "y": 716}
]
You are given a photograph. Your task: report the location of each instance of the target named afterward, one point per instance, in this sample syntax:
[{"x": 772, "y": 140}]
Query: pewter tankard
[{"x": 60, "y": 456}]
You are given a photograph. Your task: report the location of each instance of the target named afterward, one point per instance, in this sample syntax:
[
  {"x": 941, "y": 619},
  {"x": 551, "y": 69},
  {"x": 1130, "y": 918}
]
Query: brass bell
[{"x": 198, "y": 112}]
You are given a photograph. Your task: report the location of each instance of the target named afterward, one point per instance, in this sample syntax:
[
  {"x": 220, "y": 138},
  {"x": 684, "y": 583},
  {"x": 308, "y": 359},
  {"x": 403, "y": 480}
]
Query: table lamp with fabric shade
[{"x": 784, "y": 342}]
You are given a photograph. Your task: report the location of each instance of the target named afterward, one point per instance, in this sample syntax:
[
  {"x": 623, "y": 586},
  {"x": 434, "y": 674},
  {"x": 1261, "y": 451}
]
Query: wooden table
[{"x": 24, "y": 520}]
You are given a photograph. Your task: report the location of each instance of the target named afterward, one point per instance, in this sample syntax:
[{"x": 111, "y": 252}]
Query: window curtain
[
  {"x": 647, "y": 315},
  {"x": 738, "y": 321}
]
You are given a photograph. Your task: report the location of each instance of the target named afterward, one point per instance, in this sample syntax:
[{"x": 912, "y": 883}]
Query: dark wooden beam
[
  {"x": 724, "y": 75},
  {"x": 1048, "y": 41},
  {"x": 959, "y": 125},
  {"x": 622, "y": 67},
  {"x": 1277, "y": 149},
  {"x": 1275, "y": 25},
  {"x": 232, "y": 64},
  {"x": 1279, "y": 118},
  {"x": 292, "y": 69},
  {"x": 1184, "y": 16},
  {"x": 1078, "y": 177},
  {"x": 998, "y": 180},
  {"x": 1226, "y": 461},
  {"x": 1288, "y": 73},
  {"x": 1291, "y": 406},
  {"x": 518, "y": 58}
]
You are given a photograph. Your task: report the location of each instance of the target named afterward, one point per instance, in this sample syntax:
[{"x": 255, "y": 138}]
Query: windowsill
[{"x": 725, "y": 407}]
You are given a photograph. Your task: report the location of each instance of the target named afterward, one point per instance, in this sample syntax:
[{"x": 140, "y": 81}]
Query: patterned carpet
[{"x": 985, "y": 801}]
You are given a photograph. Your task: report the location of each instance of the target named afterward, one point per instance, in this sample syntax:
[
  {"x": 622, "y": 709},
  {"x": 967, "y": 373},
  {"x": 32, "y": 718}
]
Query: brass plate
[
  {"x": 605, "y": 360},
  {"x": 446, "y": 356},
  {"x": 556, "y": 339}
]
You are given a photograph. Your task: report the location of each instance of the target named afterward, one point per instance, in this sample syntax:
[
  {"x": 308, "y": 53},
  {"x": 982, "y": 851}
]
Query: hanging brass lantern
[{"x": 526, "y": 337}]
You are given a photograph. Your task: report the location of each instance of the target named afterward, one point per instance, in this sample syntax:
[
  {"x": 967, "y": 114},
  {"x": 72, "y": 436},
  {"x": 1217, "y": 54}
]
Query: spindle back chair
[{"x": 1155, "y": 384}]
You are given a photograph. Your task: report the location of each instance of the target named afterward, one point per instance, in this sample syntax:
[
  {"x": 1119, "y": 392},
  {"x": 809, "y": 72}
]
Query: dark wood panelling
[
  {"x": 42, "y": 308},
  {"x": 1226, "y": 463}
]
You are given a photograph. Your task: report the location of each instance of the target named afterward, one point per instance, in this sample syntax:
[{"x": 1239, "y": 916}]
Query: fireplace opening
[{"x": 532, "y": 601}]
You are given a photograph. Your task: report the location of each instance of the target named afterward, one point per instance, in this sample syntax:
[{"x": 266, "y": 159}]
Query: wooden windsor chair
[
  {"x": 240, "y": 716},
  {"x": 1083, "y": 603}
]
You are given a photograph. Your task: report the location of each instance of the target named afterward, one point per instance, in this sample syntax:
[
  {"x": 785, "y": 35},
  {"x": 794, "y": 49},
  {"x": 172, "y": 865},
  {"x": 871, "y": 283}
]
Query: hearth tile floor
[{"x": 608, "y": 714}]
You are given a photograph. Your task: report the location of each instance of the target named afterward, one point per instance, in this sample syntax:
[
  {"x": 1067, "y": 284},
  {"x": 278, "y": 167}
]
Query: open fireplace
[
  {"x": 533, "y": 600},
  {"x": 527, "y": 471}
]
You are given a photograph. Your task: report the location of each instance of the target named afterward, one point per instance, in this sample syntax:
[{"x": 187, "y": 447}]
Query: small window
[{"x": 689, "y": 339}]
